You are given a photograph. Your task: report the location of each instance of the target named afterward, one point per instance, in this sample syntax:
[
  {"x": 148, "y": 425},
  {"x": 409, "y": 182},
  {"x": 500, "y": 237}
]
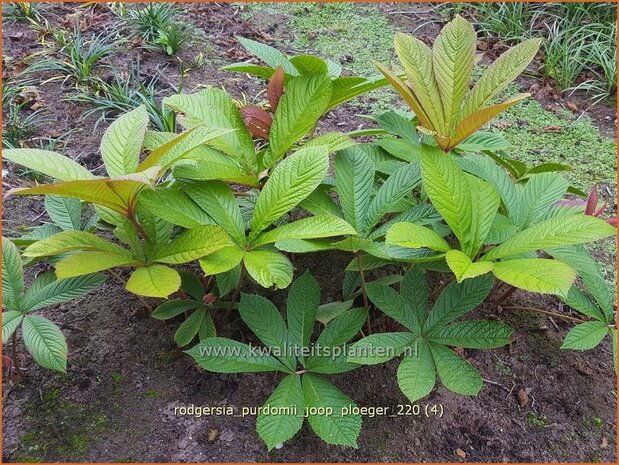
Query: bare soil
[{"x": 126, "y": 375}]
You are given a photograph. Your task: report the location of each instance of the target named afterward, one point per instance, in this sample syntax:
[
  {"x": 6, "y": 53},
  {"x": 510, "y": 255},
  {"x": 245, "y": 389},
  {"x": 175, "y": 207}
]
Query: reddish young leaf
[
  {"x": 592, "y": 201},
  {"x": 257, "y": 120},
  {"x": 275, "y": 88}
]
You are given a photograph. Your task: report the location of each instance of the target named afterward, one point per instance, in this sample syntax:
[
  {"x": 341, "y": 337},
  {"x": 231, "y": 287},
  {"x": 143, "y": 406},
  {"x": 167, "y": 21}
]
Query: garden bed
[{"x": 126, "y": 376}]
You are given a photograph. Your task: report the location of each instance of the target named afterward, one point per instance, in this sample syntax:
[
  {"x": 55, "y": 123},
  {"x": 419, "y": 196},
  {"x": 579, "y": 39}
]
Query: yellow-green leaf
[
  {"x": 51, "y": 164},
  {"x": 536, "y": 275},
  {"x": 193, "y": 244},
  {"x": 222, "y": 260},
  {"x": 121, "y": 144},
  {"x": 67, "y": 241},
  {"x": 87, "y": 262},
  {"x": 269, "y": 268},
  {"x": 464, "y": 268},
  {"x": 154, "y": 281},
  {"x": 413, "y": 236}
]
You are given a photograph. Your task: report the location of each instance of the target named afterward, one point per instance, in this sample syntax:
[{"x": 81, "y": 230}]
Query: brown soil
[{"x": 126, "y": 376}]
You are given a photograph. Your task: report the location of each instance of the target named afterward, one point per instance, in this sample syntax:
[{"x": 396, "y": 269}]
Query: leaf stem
[
  {"x": 366, "y": 303},
  {"x": 237, "y": 291},
  {"x": 14, "y": 354},
  {"x": 122, "y": 281},
  {"x": 545, "y": 312}
]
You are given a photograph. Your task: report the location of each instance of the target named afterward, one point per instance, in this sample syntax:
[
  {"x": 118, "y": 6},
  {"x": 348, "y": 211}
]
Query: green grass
[{"x": 352, "y": 34}]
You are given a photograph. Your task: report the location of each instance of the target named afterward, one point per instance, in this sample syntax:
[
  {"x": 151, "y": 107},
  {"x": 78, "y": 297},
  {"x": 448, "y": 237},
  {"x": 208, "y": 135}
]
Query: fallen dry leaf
[
  {"x": 572, "y": 106},
  {"x": 523, "y": 397},
  {"x": 460, "y": 453},
  {"x": 212, "y": 435},
  {"x": 553, "y": 128},
  {"x": 604, "y": 444},
  {"x": 459, "y": 351}
]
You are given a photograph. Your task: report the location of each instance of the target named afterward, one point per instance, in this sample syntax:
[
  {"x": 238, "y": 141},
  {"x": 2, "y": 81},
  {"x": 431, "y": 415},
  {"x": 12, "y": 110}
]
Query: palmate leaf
[
  {"x": 472, "y": 334},
  {"x": 221, "y": 355},
  {"x": 154, "y": 281},
  {"x": 539, "y": 195},
  {"x": 228, "y": 281},
  {"x": 10, "y": 322},
  {"x": 269, "y": 268},
  {"x": 190, "y": 328},
  {"x": 499, "y": 74},
  {"x": 580, "y": 302},
  {"x": 215, "y": 109},
  {"x": 302, "y": 307},
  {"x": 173, "y": 308},
  {"x": 342, "y": 328},
  {"x": 61, "y": 291},
  {"x": 313, "y": 227},
  {"x": 557, "y": 232},
  {"x": 354, "y": 171},
  {"x": 51, "y": 164},
  {"x": 266, "y": 322},
  {"x": 393, "y": 305},
  {"x": 379, "y": 348},
  {"x": 346, "y": 88},
  {"x": 287, "y": 400},
  {"x": 305, "y": 100},
  {"x": 45, "y": 342},
  {"x": 455, "y": 373},
  {"x": 453, "y": 57},
  {"x": 456, "y": 300},
  {"x": 414, "y": 290},
  {"x": 338, "y": 428},
  {"x": 12, "y": 276},
  {"x": 330, "y": 310},
  {"x": 64, "y": 211},
  {"x": 193, "y": 244},
  {"x": 536, "y": 275},
  {"x": 121, "y": 144},
  {"x": 416, "y": 373},
  {"x": 290, "y": 182},
  {"x": 414, "y": 236},
  {"x": 585, "y": 336}
]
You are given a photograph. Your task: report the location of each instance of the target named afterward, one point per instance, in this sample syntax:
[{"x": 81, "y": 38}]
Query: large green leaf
[
  {"x": 67, "y": 241},
  {"x": 472, "y": 334},
  {"x": 458, "y": 299},
  {"x": 193, "y": 244},
  {"x": 585, "y": 336},
  {"x": 453, "y": 56},
  {"x": 339, "y": 428},
  {"x": 12, "y": 276},
  {"x": 45, "y": 342},
  {"x": 121, "y": 144},
  {"x": 499, "y": 74},
  {"x": 10, "y": 322},
  {"x": 379, "y": 348},
  {"x": 354, "y": 172},
  {"x": 391, "y": 193},
  {"x": 557, "y": 232},
  {"x": 541, "y": 192},
  {"x": 189, "y": 329},
  {"x": 416, "y": 373},
  {"x": 52, "y": 164},
  {"x": 266, "y": 322},
  {"x": 342, "y": 329},
  {"x": 580, "y": 302},
  {"x": 207, "y": 164},
  {"x": 455, "y": 373},
  {"x": 222, "y": 355},
  {"x": 270, "y": 55},
  {"x": 449, "y": 191},
  {"x": 64, "y": 211},
  {"x": 290, "y": 182},
  {"x": 269, "y": 268},
  {"x": 414, "y": 236},
  {"x": 62, "y": 291},
  {"x": 288, "y": 406},
  {"x": 305, "y": 100},
  {"x": 222, "y": 260},
  {"x": 414, "y": 290},
  {"x": 464, "y": 268},
  {"x": 174, "y": 206},
  {"x": 217, "y": 199},
  {"x": 484, "y": 205},
  {"x": 313, "y": 227},
  {"x": 173, "y": 308},
  {"x": 394, "y": 306},
  {"x": 536, "y": 275},
  {"x": 215, "y": 109},
  {"x": 91, "y": 261},
  {"x": 302, "y": 306},
  {"x": 154, "y": 281}
]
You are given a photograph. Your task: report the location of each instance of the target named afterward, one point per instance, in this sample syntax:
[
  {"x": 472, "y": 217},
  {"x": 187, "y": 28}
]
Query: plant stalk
[
  {"x": 506, "y": 295},
  {"x": 545, "y": 312},
  {"x": 364, "y": 292},
  {"x": 237, "y": 291},
  {"x": 14, "y": 355}
]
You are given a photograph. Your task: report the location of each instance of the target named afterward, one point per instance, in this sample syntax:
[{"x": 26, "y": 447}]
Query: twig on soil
[{"x": 494, "y": 383}]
